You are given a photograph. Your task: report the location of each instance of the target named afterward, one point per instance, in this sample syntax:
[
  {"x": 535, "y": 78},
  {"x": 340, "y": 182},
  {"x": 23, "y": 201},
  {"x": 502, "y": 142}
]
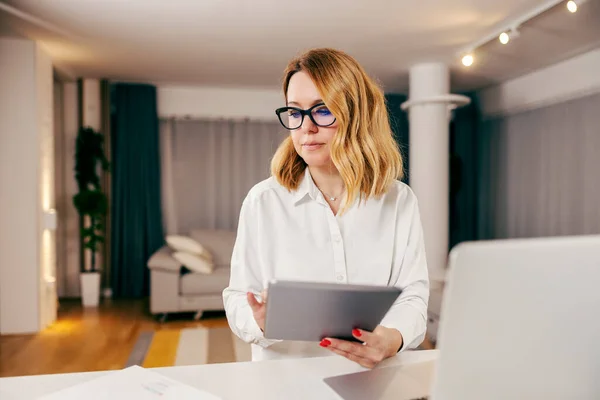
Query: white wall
[
  {"x": 91, "y": 116},
  {"x": 68, "y": 281},
  {"x": 209, "y": 102},
  {"x": 25, "y": 129},
  {"x": 91, "y": 104},
  {"x": 570, "y": 79}
]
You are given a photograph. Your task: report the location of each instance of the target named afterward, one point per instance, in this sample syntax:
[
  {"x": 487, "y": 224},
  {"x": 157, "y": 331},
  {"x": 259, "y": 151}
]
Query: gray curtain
[
  {"x": 208, "y": 167},
  {"x": 539, "y": 172}
]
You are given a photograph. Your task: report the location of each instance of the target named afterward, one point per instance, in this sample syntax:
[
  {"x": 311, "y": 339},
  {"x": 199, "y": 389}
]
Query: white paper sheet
[{"x": 131, "y": 383}]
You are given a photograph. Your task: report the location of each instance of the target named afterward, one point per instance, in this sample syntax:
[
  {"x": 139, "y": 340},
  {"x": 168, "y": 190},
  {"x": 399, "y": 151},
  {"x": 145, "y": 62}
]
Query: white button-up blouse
[{"x": 295, "y": 236}]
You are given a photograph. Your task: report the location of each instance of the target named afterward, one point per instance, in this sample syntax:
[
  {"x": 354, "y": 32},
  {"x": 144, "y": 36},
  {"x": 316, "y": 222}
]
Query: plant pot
[{"x": 90, "y": 288}]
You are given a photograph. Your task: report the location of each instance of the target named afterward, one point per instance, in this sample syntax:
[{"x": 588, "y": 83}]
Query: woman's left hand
[{"x": 378, "y": 345}]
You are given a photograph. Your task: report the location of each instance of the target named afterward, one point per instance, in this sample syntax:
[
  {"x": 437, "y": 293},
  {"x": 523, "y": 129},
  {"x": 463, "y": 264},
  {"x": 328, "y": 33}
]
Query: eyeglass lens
[{"x": 292, "y": 118}]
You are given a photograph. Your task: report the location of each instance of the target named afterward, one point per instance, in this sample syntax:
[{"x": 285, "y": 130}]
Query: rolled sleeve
[{"x": 409, "y": 313}]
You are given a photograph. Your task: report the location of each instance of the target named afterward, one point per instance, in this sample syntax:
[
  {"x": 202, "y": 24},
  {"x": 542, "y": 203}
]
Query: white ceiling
[{"x": 248, "y": 43}]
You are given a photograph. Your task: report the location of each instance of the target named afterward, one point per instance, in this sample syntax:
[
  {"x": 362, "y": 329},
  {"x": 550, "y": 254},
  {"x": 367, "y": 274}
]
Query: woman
[{"x": 333, "y": 211}]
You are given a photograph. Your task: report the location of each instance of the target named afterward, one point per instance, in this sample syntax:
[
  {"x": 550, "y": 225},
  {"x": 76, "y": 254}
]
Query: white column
[
  {"x": 428, "y": 112},
  {"x": 27, "y": 256},
  {"x": 428, "y": 109}
]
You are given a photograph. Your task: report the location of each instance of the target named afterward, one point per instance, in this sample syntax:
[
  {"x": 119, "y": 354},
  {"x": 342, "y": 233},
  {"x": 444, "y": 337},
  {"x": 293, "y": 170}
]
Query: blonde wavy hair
[{"x": 363, "y": 149}]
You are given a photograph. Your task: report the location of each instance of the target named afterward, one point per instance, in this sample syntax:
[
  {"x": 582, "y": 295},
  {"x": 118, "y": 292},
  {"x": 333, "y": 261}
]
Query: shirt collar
[{"x": 306, "y": 187}]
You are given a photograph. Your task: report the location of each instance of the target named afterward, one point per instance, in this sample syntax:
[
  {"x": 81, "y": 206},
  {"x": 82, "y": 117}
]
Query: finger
[
  {"x": 353, "y": 357},
  {"x": 370, "y": 338},
  {"x": 254, "y": 304},
  {"x": 264, "y": 296},
  {"x": 350, "y": 347},
  {"x": 373, "y": 354}
]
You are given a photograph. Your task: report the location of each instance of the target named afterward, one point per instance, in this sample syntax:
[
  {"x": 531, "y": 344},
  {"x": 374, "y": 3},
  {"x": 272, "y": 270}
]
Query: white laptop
[{"x": 520, "y": 320}]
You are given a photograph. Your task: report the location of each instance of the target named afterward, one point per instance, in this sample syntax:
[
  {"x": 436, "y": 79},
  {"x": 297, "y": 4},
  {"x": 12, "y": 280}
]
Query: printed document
[{"x": 131, "y": 383}]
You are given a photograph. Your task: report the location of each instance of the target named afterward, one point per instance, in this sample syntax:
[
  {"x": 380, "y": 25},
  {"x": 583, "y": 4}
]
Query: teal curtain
[
  {"x": 136, "y": 220},
  {"x": 399, "y": 125},
  {"x": 464, "y": 172},
  {"x": 492, "y": 150}
]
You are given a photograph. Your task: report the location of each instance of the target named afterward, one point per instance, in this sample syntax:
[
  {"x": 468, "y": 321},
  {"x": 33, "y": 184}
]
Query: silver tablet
[{"x": 306, "y": 311}]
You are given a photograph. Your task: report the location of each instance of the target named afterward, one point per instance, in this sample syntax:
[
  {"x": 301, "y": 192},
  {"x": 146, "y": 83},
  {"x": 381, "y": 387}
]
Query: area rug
[{"x": 188, "y": 346}]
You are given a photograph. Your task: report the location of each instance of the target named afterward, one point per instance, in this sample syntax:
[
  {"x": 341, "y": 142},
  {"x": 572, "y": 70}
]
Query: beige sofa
[{"x": 173, "y": 288}]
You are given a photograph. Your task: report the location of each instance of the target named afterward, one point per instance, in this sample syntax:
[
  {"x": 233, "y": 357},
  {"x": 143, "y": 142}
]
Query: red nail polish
[
  {"x": 324, "y": 343},
  {"x": 356, "y": 333}
]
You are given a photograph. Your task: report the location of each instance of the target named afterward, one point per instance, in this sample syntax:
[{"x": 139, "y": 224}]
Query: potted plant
[{"x": 91, "y": 204}]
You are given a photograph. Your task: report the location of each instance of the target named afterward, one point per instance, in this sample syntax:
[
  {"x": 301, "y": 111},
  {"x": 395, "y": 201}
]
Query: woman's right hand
[{"x": 259, "y": 308}]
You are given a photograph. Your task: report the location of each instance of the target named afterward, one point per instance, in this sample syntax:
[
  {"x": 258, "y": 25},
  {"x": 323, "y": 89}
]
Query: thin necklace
[{"x": 332, "y": 198}]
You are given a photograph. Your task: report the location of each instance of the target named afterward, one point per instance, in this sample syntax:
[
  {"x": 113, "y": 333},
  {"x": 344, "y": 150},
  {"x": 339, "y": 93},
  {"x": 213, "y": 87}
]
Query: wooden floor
[
  {"x": 88, "y": 339},
  {"x": 91, "y": 339}
]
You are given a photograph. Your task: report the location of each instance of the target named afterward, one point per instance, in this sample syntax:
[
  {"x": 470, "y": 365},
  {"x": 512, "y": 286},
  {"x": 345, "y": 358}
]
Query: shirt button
[
  {"x": 340, "y": 278},
  {"x": 337, "y": 239}
]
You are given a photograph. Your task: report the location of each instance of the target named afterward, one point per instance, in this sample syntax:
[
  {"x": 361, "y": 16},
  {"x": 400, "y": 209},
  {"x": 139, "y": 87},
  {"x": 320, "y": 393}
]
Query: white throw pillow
[
  {"x": 188, "y": 245},
  {"x": 194, "y": 263}
]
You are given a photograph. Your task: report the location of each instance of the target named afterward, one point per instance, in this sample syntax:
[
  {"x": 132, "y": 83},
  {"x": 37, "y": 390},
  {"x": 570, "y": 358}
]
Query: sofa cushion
[
  {"x": 186, "y": 244},
  {"x": 202, "y": 284},
  {"x": 163, "y": 259},
  {"x": 194, "y": 263},
  {"x": 218, "y": 242}
]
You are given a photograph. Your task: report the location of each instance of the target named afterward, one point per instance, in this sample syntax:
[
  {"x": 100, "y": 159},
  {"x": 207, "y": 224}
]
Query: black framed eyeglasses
[{"x": 292, "y": 117}]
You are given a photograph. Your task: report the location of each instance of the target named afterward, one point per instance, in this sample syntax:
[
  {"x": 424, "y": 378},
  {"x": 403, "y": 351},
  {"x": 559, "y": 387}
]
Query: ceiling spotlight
[
  {"x": 467, "y": 60},
  {"x": 573, "y": 5},
  {"x": 505, "y": 37}
]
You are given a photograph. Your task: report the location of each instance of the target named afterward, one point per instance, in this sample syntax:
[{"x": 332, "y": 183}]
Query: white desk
[{"x": 264, "y": 380}]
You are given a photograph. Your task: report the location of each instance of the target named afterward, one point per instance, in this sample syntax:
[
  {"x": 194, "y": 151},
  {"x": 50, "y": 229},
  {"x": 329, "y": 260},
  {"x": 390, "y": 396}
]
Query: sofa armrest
[
  {"x": 163, "y": 260},
  {"x": 164, "y": 291}
]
